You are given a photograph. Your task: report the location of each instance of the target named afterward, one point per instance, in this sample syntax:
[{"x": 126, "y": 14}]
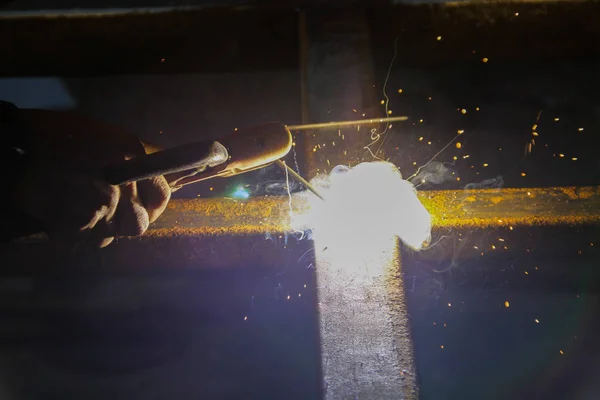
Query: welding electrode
[{"x": 299, "y": 178}]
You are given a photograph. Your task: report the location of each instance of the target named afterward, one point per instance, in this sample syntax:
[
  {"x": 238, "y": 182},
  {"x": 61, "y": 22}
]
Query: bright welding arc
[{"x": 372, "y": 198}]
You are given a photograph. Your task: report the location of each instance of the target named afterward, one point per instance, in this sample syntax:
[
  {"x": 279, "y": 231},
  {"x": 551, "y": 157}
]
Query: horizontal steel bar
[
  {"x": 227, "y": 233},
  {"x": 459, "y": 209}
]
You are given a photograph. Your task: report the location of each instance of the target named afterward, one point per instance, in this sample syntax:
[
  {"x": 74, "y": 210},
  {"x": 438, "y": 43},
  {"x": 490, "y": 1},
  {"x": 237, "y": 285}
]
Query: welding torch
[{"x": 242, "y": 151}]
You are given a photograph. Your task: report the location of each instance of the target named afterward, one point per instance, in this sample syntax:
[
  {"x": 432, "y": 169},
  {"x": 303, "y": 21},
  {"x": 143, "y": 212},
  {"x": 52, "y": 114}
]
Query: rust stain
[
  {"x": 515, "y": 221},
  {"x": 571, "y": 193},
  {"x": 497, "y": 199},
  {"x": 587, "y": 192}
]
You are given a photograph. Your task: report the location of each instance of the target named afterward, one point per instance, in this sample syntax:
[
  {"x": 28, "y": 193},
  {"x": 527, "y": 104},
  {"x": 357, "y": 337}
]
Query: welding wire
[
  {"x": 299, "y": 178},
  {"x": 336, "y": 124}
]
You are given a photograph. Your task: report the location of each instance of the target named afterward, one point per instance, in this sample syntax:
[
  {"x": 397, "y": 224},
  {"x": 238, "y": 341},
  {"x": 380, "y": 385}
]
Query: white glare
[{"x": 364, "y": 207}]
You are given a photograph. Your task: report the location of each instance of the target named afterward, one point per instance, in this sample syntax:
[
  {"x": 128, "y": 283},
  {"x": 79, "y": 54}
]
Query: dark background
[{"x": 228, "y": 69}]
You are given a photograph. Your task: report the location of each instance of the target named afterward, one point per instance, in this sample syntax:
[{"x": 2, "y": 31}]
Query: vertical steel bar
[{"x": 366, "y": 349}]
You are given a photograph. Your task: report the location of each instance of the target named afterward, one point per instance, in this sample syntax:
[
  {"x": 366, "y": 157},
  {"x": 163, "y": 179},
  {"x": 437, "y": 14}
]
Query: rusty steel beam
[
  {"x": 189, "y": 231},
  {"x": 449, "y": 208}
]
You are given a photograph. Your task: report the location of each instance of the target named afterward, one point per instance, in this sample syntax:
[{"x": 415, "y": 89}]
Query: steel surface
[{"x": 451, "y": 208}]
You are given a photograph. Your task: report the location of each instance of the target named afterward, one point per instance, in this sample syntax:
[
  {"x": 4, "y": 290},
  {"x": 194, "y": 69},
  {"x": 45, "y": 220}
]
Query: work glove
[{"x": 60, "y": 188}]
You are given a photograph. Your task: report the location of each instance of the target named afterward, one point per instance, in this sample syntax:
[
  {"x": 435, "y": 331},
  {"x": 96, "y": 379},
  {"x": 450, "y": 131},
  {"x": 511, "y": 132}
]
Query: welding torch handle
[{"x": 178, "y": 162}]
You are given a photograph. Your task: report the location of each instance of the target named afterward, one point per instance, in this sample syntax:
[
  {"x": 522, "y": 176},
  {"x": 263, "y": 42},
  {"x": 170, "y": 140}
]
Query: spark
[
  {"x": 506, "y": 304},
  {"x": 580, "y": 129},
  {"x": 458, "y": 145},
  {"x": 463, "y": 111},
  {"x": 400, "y": 91},
  {"x": 460, "y": 131},
  {"x": 439, "y": 38},
  {"x": 485, "y": 60},
  {"x": 537, "y": 321},
  {"x": 246, "y": 318},
  {"x": 523, "y": 174},
  {"x": 556, "y": 119}
]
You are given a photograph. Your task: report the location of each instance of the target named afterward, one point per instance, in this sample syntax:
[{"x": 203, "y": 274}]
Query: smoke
[
  {"x": 434, "y": 173},
  {"x": 493, "y": 183},
  {"x": 273, "y": 188}
]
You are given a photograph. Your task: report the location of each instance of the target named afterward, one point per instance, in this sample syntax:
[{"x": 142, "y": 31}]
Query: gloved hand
[{"x": 61, "y": 185}]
